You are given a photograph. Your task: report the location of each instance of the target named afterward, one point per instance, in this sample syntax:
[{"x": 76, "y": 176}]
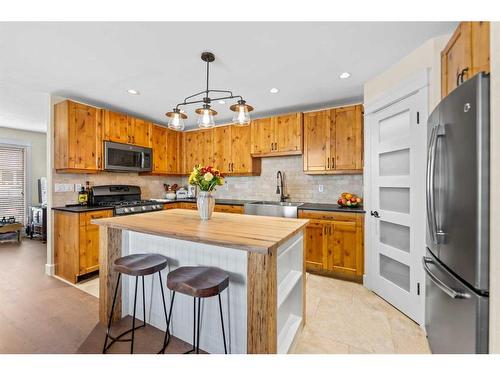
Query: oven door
[{"x": 121, "y": 157}]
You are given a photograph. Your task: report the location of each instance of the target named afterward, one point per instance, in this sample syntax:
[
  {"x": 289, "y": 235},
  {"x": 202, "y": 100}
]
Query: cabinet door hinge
[
  {"x": 418, "y": 117},
  {"x": 418, "y": 289}
]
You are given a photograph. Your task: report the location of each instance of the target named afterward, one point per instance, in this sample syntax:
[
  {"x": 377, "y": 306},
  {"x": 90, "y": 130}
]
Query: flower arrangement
[{"x": 206, "y": 178}]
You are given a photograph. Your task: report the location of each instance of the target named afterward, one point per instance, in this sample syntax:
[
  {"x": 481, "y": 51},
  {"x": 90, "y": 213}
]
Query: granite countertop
[
  {"x": 232, "y": 202},
  {"x": 330, "y": 207},
  {"x": 77, "y": 208}
]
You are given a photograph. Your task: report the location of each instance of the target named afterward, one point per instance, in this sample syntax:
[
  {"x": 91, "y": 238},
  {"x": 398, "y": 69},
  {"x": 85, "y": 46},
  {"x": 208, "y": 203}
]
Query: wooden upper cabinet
[
  {"x": 140, "y": 132},
  {"x": 288, "y": 133},
  {"x": 121, "y": 128},
  {"x": 277, "y": 136},
  {"x": 242, "y": 161},
  {"x": 333, "y": 141},
  {"x": 159, "y": 137},
  {"x": 262, "y": 134},
  {"x": 466, "y": 54},
  {"x": 173, "y": 155},
  {"x": 198, "y": 148},
  {"x": 347, "y": 140},
  {"x": 316, "y": 141},
  {"x": 231, "y": 152},
  {"x": 116, "y": 127},
  {"x": 222, "y": 155},
  {"x": 77, "y": 138}
]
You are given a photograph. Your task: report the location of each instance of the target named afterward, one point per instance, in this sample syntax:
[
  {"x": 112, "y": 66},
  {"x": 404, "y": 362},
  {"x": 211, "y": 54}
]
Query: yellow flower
[
  {"x": 208, "y": 176},
  {"x": 192, "y": 177},
  {"x": 221, "y": 181}
]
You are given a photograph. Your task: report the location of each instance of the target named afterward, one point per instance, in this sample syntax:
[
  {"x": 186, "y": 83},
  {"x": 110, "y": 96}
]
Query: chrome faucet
[{"x": 279, "y": 187}]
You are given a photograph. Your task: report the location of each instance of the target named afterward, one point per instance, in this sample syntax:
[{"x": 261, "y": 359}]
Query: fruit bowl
[{"x": 349, "y": 200}]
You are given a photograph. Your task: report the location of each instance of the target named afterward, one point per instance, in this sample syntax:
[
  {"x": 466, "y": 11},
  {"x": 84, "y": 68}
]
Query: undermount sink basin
[{"x": 270, "y": 208}]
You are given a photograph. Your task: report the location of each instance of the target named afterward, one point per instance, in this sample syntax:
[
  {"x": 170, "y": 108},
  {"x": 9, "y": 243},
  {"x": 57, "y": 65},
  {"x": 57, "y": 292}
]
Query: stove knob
[
  {"x": 144, "y": 208},
  {"x": 126, "y": 209}
]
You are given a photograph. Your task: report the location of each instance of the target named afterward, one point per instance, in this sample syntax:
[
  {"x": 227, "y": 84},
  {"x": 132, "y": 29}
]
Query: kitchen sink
[{"x": 270, "y": 208}]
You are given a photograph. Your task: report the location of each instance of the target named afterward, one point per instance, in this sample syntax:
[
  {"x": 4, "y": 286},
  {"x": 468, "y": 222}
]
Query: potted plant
[{"x": 207, "y": 179}]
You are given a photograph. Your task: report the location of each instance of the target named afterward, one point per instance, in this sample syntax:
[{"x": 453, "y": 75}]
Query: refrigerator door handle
[
  {"x": 440, "y": 284},
  {"x": 438, "y": 235},
  {"x": 429, "y": 185}
]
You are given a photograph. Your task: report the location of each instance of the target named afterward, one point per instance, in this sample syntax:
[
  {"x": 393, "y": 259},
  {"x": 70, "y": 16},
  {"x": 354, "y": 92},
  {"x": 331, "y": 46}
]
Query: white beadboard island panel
[{"x": 186, "y": 253}]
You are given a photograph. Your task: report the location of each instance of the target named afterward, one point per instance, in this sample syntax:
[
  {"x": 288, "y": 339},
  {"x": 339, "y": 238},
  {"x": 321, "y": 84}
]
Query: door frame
[{"x": 412, "y": 85}]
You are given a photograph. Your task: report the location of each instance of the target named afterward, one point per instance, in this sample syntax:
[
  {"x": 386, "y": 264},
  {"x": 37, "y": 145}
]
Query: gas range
[{"x": 124, "y": 199}]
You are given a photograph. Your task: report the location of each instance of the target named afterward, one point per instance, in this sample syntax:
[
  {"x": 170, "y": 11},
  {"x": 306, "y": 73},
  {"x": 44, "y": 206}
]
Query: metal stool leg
[
  {"x": 222, "y": 322},
  {"x": 169, "y": 320},
  {"x": 111, "y": 314},
  {"x": 133, "y": 318},
  {"x": 143, "y": 303},
  {"x": 198, "y": 335},
  {"x": 166, "y": 339}
]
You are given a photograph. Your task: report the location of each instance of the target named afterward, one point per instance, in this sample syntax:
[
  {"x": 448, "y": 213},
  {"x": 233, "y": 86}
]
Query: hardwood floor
[{"x": 38, "y": 313}]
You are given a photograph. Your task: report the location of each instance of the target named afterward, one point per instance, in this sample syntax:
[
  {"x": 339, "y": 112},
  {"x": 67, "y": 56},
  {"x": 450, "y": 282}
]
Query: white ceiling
[{"x": 98, "y": 62}]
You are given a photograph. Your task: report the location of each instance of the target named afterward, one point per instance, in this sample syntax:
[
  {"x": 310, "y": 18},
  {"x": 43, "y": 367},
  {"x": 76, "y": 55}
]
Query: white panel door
[{"x": 397, "y": 136}]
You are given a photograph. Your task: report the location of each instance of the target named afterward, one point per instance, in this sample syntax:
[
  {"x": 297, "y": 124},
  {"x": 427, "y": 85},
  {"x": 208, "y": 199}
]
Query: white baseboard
[{"x": 49, "y": 269}]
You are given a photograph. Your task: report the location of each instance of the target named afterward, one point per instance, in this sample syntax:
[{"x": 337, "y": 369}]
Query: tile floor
[
  {"x": 345, "y": 317},
  {"x": 90, "y": 286}
]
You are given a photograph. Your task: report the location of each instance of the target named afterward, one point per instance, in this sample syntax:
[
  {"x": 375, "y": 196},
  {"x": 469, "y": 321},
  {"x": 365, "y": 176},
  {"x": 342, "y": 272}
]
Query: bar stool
[
  {"x": 198, "y": 282},
  {"x": 137, "y": 265}
]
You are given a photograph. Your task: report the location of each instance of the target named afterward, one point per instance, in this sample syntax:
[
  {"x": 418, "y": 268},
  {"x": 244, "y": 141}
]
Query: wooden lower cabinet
[
  {"x": 76, "y": 243},
  {"x": 218, "y": 207},
  {"x": 334, "y": 243}
]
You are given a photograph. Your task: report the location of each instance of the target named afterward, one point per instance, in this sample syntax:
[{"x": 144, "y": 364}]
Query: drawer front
[
  {"x": 188, "y": 206},
  {"x": 228, "y": 208},
  {"x": 328, "y": 215}
]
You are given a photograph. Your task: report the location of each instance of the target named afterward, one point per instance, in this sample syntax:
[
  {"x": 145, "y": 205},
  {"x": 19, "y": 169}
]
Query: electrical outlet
[{"x": 321, "y": 188}]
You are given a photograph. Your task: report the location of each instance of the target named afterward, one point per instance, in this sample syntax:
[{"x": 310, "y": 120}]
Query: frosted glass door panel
[
  {"x": 395, "y": 163},
  {"x": 396, "y": 272},
  {"x": 395, "y": 199},
  {"x": 394, "y": 127},
  {"x": 395, "y": 235}
]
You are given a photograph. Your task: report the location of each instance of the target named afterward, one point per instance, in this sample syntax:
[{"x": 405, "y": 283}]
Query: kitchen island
[{"x": 264, "y": 306}]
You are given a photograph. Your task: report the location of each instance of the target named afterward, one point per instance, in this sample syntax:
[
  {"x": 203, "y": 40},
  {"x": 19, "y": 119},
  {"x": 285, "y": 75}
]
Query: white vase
[{"x": 206, "y": 203}]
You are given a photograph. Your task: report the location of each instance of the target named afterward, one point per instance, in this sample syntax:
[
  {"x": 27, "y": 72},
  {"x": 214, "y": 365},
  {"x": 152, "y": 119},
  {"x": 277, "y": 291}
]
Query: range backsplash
[{"x": 300, "y": 186}]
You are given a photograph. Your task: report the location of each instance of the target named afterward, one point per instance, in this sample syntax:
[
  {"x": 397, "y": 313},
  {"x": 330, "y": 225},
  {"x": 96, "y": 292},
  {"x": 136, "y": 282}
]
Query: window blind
[{"x": 12, "y": 183}]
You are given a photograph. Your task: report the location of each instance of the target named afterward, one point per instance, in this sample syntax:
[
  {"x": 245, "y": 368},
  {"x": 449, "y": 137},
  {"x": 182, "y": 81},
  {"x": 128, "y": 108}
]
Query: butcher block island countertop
[
  {"x": 264, "y": 257},
  {"x": 245, "y": 232}
]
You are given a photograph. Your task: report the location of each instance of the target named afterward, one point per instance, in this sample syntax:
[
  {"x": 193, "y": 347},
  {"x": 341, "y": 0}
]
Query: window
[{"x": 12, "y": 183}]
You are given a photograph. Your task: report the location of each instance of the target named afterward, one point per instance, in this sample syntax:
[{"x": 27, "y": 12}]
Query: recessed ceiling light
[
  {"x": 133, "y": 92},
  {"x": 274, "y": 90},
  {"x": 345, "y": 75},
  {"x": 222, "y": 102}
]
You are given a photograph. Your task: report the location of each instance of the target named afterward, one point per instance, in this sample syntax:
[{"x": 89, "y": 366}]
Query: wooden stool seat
[
  {"x": 140, "y": 264},
  {"x": 198, "y": 282}
]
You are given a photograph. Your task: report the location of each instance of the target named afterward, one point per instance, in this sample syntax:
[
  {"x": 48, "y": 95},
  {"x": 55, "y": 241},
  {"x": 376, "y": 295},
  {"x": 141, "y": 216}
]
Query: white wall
[
  {"x": 38, "y": 143},
  {"x": 495, "y": 190},
  {"x": 427, "y": 56}
]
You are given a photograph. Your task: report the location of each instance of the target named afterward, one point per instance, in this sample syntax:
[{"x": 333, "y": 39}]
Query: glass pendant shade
[
  {"x": 241, "y": 113},
  {"x": 206, "y": 117},
  {"x": 176, "y": 120},
  {"x": 242, "y": 116}
]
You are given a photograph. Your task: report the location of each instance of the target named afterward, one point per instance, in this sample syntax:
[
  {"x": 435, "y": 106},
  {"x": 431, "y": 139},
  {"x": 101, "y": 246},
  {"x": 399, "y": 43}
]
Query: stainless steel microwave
[{"x": 120, "y": 157}]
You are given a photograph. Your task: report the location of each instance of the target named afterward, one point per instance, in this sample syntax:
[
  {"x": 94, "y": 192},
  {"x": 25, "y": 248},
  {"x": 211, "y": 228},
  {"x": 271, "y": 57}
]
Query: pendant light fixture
[{"x": 205, "y": 112}]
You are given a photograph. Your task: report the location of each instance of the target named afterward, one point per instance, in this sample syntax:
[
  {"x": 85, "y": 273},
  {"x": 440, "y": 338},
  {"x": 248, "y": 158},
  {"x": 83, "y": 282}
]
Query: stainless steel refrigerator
[{"x": 457, "y": 186}]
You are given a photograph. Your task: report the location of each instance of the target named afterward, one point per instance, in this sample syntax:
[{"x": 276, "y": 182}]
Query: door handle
[
  {"x": 142, "y": 160},
  {"x": 437, "y": 234},
  {"x": 374, "y": 214},
  {"x": 328, "y": 163},
  {"x": 440, "y": 284},
  {"x": 333, "y": 163}
]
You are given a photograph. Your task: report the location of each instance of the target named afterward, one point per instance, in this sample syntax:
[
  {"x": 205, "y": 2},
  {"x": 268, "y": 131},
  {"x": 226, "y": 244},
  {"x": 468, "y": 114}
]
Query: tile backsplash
[{"x": 300, "y": 186}]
